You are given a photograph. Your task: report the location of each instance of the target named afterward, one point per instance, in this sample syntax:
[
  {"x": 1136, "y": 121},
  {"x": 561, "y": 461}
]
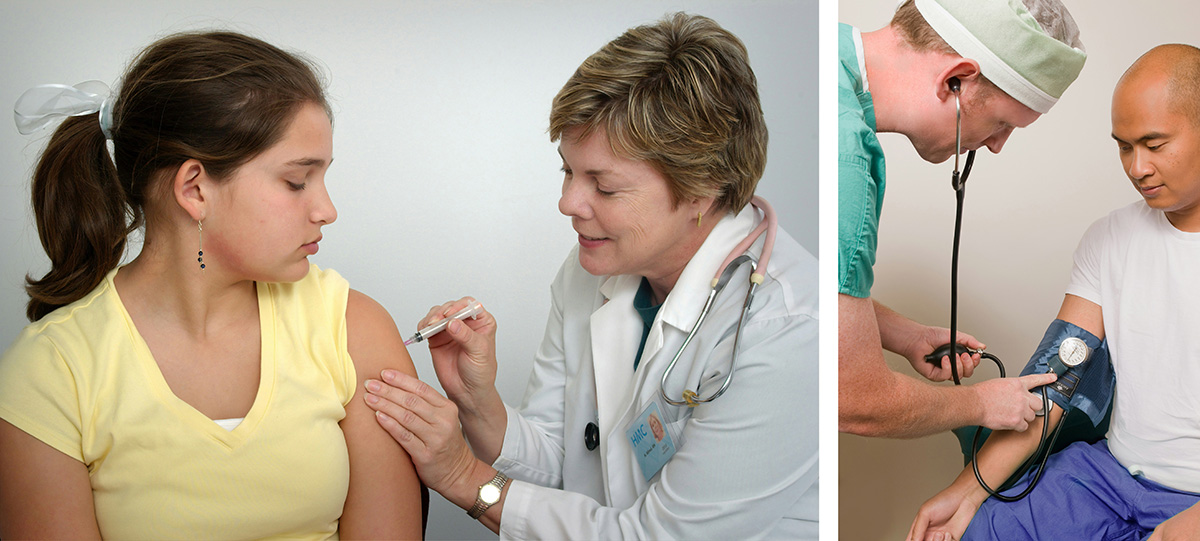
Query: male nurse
[{"x": 1006, "y": 62}]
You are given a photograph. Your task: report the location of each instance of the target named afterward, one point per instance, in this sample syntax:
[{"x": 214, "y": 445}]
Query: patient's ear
[{"x": 190, "y": 185}]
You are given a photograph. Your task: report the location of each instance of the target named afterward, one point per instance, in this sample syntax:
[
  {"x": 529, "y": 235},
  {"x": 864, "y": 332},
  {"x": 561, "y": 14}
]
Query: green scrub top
[{"x": 860, "y": 173}]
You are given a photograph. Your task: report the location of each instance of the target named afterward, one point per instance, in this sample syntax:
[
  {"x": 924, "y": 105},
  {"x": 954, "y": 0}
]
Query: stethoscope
[
  {"x": 736, "y": 258},
  {"x": 958, "y": 181},
  {"x": 691, "y": 398}
]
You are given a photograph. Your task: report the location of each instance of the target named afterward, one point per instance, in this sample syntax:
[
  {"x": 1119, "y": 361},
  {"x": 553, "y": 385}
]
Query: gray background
[{"x": 445, "y": 181}]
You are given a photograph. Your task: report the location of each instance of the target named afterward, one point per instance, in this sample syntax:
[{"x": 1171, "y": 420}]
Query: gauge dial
[{"x": 1073, "y": 352}]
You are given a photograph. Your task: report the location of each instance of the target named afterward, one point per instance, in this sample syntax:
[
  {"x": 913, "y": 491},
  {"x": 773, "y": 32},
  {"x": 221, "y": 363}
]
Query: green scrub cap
[{"x": 1010, "y": 46}]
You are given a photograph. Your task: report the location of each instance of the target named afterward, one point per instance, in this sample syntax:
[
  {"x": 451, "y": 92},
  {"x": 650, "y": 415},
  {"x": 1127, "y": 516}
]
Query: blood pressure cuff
[
  {"x": 1087, "y": 387},
  {"x": 1084, "y": 392}
]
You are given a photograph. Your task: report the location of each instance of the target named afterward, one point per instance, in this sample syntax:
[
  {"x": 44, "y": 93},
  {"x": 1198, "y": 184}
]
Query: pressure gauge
[{"x": 1073, "y": 351}]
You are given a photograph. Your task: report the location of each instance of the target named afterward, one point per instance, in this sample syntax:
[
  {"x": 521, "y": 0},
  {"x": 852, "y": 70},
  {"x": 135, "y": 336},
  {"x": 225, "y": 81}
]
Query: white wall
[
  {"x": 1025, "y": 211},
  {"x": 445, "y": 180}
]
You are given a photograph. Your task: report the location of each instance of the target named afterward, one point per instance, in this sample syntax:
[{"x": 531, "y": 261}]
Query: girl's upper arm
[
  {"x": 384, "y": 499},
  {"x": 43, "y": 492}
]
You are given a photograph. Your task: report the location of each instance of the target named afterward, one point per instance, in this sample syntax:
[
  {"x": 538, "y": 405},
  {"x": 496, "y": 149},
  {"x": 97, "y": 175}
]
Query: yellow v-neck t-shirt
[{"x": 82, "y": 380}]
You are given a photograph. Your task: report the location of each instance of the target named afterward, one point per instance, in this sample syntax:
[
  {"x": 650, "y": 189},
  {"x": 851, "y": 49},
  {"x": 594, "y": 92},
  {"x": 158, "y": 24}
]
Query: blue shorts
[{"x": 1084, "y": 494}]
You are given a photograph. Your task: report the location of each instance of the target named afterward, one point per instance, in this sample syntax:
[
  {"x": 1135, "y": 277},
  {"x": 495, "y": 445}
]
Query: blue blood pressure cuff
[{"x": 1088, "y": 386}]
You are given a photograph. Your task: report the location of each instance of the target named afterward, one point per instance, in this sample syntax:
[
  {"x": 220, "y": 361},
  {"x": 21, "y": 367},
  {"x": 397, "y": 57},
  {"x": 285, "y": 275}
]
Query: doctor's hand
[
  {"x": 425, "y": 424},
  {"x": 929, "y": 339},
  {"x": 464, "y": 355},
  {"x": 945, "y": 516},
  {"x": 1008, "y": 403}
]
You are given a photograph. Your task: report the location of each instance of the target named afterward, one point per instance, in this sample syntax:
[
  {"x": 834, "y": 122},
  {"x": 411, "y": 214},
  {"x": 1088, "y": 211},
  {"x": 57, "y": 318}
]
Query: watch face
[
  {"x": 1072, "y": 351},
  {"x": 489, "y": 494}
]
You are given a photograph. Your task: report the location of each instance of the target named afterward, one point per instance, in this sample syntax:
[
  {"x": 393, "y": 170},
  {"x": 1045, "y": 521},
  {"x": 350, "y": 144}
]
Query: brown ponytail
[
  {"x": 81, "y": 213},
  {"x": 217, "y": 97}
]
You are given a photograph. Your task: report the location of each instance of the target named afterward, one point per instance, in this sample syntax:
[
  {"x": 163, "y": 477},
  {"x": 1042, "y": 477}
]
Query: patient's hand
[
  {"x": 945, "y": 516},
  {"x": 1184, "y": 526}
]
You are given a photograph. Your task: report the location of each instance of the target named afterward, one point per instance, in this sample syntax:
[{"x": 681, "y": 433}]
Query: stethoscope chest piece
[{"x": 591, "y": 436}]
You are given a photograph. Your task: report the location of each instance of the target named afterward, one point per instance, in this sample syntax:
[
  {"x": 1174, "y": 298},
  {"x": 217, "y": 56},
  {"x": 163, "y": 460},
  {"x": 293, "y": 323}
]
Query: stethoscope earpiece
[{"x": 959, "y": 177}]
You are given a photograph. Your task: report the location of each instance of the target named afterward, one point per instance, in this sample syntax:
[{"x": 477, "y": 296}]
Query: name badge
[{"x": 652, "y": 444}]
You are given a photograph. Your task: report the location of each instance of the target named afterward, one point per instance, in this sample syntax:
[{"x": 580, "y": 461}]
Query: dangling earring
[
  {"x": 699, "y": 215},
  {"x": 200, "y": 252}
]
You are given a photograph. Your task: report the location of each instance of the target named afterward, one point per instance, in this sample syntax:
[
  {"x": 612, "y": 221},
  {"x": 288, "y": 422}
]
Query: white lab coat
[{"x": 746, "y": 465}]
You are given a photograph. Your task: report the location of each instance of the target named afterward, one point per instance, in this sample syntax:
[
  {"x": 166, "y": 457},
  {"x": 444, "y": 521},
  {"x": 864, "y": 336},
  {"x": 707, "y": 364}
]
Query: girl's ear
[{"x": 190, "y": 189}]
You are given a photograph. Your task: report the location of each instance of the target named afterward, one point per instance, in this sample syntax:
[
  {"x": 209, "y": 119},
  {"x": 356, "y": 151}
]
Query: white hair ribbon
[{"x": 43, "y": 104}]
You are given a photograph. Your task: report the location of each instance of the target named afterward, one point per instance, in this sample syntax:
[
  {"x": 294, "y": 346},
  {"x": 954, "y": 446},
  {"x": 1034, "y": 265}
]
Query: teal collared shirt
[
  {"x": 643, "y": 302},
  {"x": 860, "y": 173}
]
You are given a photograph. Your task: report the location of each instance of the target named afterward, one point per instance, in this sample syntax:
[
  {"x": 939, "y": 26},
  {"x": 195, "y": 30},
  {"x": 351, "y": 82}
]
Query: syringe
[{"x": 471, "y": 311}]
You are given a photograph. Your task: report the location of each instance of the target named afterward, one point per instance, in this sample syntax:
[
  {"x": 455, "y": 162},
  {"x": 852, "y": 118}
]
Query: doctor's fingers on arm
[
  {"x": 1007, "y": 403},
  {"x": 426, "y": 425},
  {"x": 410, "y": 401}
]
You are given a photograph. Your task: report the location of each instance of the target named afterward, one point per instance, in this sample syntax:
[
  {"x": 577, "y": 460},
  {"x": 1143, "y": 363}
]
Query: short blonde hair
[{"x": 680, "y": 95}]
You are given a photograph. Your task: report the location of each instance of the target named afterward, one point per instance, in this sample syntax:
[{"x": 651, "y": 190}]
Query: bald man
[{"x": 1133, "y": 282}]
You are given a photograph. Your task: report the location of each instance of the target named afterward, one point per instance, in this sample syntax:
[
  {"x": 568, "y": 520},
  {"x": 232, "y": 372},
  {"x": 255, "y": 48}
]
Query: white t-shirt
[{"x": 1145, "y": 275}]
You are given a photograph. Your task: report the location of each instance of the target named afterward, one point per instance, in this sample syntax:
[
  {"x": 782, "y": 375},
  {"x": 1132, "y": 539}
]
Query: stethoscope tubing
[
  {"x": 958, "y": 181},
  {"x": 769, "y": 226}
]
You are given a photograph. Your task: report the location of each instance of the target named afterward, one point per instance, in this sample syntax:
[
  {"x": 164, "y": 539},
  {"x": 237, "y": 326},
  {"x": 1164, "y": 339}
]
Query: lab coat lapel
[
  {"x": 683, "y": 305},
  {"x": 686, "y": 300},
  {"x": 682, "y": 309},
  {"x": 616, "y": 331}
]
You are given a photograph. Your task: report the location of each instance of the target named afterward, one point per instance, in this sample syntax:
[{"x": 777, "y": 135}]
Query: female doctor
[{"x": 663, "y": 142}]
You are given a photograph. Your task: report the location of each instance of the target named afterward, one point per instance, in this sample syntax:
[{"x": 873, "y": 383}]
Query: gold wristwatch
[{"x": 489, "y": 494}]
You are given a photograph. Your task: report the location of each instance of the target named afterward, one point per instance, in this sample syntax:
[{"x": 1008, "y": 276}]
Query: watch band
[{"x": 481, "y": 504}]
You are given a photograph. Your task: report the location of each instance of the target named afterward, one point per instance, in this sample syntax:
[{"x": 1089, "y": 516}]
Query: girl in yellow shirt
[{"x": 207, "y": 388}]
